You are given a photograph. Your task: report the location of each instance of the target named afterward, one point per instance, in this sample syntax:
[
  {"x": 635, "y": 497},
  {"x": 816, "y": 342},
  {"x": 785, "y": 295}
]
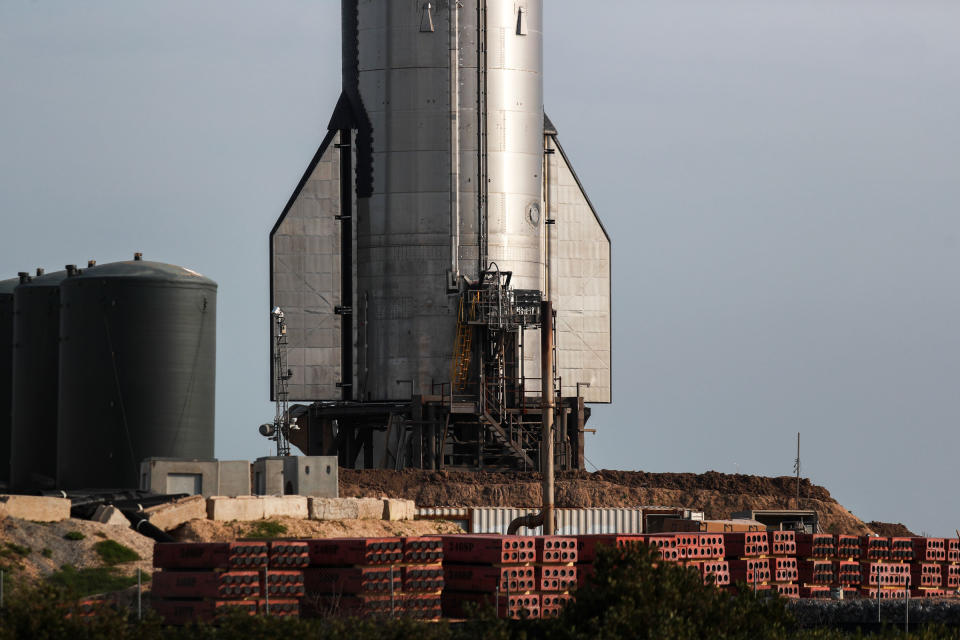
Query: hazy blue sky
[{"x": 781, "y": 181}]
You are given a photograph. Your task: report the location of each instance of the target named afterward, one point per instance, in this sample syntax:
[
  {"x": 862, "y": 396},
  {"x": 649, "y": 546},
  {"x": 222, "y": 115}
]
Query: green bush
[
  {"x": 112, "y": 552},
  {"x": 47, "y": 553},
  {"x": 84, "y": 582},
  {"x": 74, "y": 535},
  {"x": 16, "y": 549},
  {"x": 266, "y": 529},
  {"x": 635, "y": 595}
]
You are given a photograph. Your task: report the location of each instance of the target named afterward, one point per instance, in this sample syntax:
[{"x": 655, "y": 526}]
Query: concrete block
[
  {"x": 268, "y": 476},
  {"x": 398, "y": 509},
  {"x": 180, "y": 475},
  {"x": 35, "y": 508},
  {"x": 311, "y": 476},
  {"x": 173, "y": 514},
  {"x": 234, "y": 478},
  {"x": 333, "y": 509},
  {"x": 241, "y": 508},
  {"x": 108, "y": 514},
  {"x": 370, "y": 508},
  {"x": 289, "y": 506}
]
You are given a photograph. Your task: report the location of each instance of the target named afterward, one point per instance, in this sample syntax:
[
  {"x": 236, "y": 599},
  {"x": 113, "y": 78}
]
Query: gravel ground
[{"x": 861, "y": 611}]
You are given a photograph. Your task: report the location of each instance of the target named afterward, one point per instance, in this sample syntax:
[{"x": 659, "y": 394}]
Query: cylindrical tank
[
  {"x": 457, "y": 157},
  {"x": 137, "y": 371},
  {"x": 6, "y": 373},
  {"x": 36, "y": 336}
]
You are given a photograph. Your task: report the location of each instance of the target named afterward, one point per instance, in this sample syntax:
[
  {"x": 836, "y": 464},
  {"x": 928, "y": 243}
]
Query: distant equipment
[
  {"x": 137, "y": 370},
  {"x": 36, "y": 339},
  {"x": 6, "y": 373},
  {"x": 411, "y": 259},
  {"x": 279, "y": 431}
]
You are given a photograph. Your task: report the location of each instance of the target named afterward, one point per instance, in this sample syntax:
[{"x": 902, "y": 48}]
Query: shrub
[
  {"x": 78, "y": 583},
  {"x": 265, "y": 529},
  {"x": 112, "y": 552},
  {"x": 46, "y": 553},
  {"x": 16, "y": 549},
  {"x": 635, "y": 595},
  {"x": 74, "y": 535}
]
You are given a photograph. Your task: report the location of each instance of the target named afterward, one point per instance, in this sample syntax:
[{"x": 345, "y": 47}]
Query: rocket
[{"x": 438, "y": 169}]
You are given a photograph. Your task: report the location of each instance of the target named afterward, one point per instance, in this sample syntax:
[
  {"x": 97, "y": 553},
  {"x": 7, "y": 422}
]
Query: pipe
[
  {"x": 546, "y": 386},
  {"x": 547, "y": 266},
  {"x": 454, "y": 142},
  {"x": 530, "y": 522},
  {"x": 481, "y": 134},
  {"x": 546, "y": 517},
  {"x": 140, "y": 524}
]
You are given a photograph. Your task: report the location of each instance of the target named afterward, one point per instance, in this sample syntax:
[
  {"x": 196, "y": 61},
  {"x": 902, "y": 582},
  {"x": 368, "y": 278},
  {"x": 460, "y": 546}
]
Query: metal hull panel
[
  {"x": 580, "y": 284},
  {"x": 305, "y": 280}
]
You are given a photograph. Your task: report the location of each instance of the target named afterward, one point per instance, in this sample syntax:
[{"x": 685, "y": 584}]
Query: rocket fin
[
  {"x": 305, "y": 277},
  {"x": 580, "y": 273}
]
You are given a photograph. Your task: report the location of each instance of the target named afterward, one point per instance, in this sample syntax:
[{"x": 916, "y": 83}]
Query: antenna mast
[
  {"x": 796, "y": 469},
  {"x": 281, "y": 375}
]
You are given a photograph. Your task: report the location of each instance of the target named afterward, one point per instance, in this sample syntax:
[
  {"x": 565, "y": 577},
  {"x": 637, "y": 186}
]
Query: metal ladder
[{"x": 462, "y": 346}]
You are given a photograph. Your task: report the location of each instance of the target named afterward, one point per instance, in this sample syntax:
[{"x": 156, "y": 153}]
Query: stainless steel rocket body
[
  {"x": 441, "y": 128},
  {"x": 457, "y": 174}
]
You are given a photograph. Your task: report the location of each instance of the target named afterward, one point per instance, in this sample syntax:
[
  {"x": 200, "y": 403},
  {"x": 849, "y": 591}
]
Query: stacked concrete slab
[
  {"x": 35, "y": 508},
  {"x": 249, "y": 508}
]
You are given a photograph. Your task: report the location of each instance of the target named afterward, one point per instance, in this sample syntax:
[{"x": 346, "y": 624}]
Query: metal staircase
[{"x": 463, "y": 344}]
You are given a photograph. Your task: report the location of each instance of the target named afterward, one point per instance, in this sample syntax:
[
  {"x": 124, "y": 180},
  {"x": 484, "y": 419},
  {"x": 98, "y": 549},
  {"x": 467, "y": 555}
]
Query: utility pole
[
  {"x": 547, "y": 408},
  {"x": 796, "y": 469}
]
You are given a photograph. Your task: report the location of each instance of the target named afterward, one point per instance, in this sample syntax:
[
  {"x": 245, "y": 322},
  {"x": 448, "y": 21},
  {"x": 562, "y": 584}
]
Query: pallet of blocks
[
  {"x": 951, "y": 568},
  {"x": 815, "y": 567},
  {"x": 362, "y": 577},
  {"x": 748, "y": 557},
  {"x": 901, "y": 550},
  {"x": 763, "y": 560},
  {"x": 884, "y": 580},
  {"x": 874, "y": 549},
  {"x": 932, "y": 575},
  {"x": 556, "y": 572},
  {"x": 784, "y": 571},
  {"x": 702, "y": 552},
  {"x": 492, "y": 571},
  {"x": 203, "y": 581},
  {"x": 816, "y": 546},
  {"x": 848, "y": 548}
]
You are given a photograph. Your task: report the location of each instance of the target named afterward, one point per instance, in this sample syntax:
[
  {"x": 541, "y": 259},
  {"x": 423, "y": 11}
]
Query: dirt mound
[
  {"x": 211, "y": 531},
  {"x": 716, "y": 494},
  {"x": 34, "y": 549},
  {"x": 891, "y": 530},
  {"x": 400, "y": 483}
]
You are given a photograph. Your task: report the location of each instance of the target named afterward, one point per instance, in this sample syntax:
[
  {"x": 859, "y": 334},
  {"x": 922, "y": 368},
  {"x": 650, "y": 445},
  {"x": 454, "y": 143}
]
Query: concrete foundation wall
[
  {"x": 241, "y": 509},
  {"x": 35, "y": 508},
  {"x": 195, "y": 476},
  {"x": 268, "y": 476},
  {"x": 311, "y": 476},
  {"x": 234, "y": 478}
]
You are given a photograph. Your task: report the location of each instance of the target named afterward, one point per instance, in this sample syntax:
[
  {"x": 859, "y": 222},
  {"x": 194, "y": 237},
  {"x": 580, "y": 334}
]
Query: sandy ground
[
  {"x": 35, "y": 537},
  {"x": 34, "y": 550},
  {"x": 210, "y": 531}
]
